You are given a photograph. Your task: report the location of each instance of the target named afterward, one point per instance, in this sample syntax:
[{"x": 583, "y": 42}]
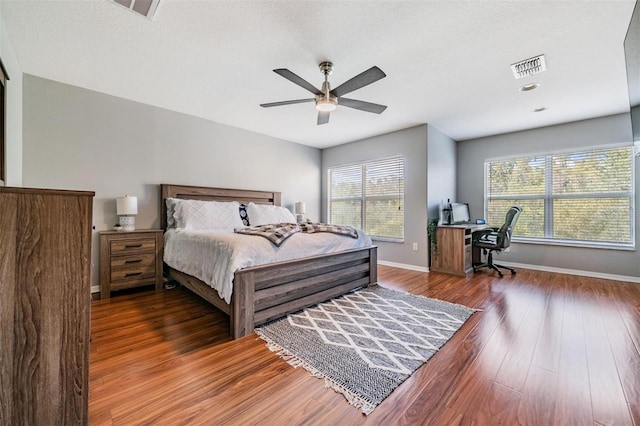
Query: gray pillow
[{"x": 171, "y": 209}]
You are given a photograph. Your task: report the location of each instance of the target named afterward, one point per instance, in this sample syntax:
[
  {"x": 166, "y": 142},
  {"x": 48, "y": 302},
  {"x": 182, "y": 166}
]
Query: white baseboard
[
  {"x": 573, "y": 272},
  {"x": 95, "y": 289},
  {"x": 403, "y": 266},
  {"x": 567, "y": 271}
]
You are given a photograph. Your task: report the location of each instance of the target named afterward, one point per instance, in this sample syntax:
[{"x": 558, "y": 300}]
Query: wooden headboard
[{"x": 213, "y": 194}]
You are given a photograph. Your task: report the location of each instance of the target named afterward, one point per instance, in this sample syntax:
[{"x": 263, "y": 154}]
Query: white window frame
[
  {"x": 549, "y": 197},
  {"x": 363, "y": 197}
]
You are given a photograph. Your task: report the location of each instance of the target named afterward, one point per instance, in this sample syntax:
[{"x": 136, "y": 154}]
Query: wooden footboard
[{"x": 264, "y": 293}]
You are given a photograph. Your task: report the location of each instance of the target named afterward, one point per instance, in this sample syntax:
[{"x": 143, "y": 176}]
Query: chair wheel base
[{"x": 493, "y": 266}]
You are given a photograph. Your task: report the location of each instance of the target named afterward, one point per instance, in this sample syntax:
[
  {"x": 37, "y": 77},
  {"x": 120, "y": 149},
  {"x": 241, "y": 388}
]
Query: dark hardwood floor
[{"x": 545, "y": 349}]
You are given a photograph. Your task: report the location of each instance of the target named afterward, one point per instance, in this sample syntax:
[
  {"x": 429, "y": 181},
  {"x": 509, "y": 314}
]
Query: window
[
  {"x": 3, "y": 106},
  {"x": 369, "y": 196},
  {"x": 579, "y": 198}
]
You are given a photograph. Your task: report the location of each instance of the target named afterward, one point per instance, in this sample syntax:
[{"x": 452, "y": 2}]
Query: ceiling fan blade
[
  {"x": 365, "y": 78},
  {"x": 294, "y": 78},
  {"x": 323, "y": 117},
  {"x": 362, "y": 105},
  {"x": 295, "y": 101}
]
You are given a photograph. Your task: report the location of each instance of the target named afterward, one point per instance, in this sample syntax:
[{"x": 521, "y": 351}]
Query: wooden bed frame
[{"x": 263, "y": 293}]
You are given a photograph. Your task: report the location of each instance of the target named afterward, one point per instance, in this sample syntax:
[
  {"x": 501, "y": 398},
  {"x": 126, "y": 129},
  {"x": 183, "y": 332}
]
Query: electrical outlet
[{"x": 415, "y": 246}]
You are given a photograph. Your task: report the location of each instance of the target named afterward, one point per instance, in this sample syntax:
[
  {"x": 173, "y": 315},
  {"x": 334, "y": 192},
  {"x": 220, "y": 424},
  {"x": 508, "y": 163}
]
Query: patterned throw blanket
[{"x": 279, "y": 232}]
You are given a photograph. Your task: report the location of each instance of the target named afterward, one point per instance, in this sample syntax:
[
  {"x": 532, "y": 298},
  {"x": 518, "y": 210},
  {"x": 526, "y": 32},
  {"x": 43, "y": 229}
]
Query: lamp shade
[
  {"x": 300, "y": 208},
  {"x": 126, "y": 205}
]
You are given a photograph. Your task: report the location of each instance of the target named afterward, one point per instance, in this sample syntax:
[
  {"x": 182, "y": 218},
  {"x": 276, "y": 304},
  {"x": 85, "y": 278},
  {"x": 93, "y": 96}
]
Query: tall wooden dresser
[{"x": 45, "y": 296}]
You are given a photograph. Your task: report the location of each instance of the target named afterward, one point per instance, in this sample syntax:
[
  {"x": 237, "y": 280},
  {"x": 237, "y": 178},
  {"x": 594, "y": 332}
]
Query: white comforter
[{"x": 213, "y": 256}]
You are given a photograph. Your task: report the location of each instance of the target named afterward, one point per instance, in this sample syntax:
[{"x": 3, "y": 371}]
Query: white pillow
[
  {"x": 201, "y": 215},
  {"x": 264, "y": 214}
]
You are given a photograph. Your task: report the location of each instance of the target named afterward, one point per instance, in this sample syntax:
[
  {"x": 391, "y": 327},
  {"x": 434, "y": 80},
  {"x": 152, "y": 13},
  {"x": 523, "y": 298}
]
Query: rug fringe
[{"x": 354, "y": 399}]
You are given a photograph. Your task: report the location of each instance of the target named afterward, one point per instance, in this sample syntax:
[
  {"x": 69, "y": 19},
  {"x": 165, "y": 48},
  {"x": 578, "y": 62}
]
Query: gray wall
[
  {"x": 595, "y": 132},
  {"x": 412, "y": 144},
  {"x": 80, "y": 139},
  {"x": 635, "y": 117},
  {"x": 13, "y": 94},
  {"x": 441, "y": 169}
]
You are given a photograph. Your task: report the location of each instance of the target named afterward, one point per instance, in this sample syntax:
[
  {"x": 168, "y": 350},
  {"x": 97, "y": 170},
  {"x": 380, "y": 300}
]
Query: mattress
[{"x": 213, "y": 256}]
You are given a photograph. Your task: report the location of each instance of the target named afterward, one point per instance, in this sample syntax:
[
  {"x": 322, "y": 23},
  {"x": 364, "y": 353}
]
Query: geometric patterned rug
[{"x": 365, "y": 343}]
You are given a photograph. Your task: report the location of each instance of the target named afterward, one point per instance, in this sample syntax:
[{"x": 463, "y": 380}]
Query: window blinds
[
  {"x": 584, "y": 197},
  {"x": 370, "y": 196}
]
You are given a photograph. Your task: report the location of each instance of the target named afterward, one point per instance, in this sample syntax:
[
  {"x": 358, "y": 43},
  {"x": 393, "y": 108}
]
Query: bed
[{"x": 267, "y": 292}]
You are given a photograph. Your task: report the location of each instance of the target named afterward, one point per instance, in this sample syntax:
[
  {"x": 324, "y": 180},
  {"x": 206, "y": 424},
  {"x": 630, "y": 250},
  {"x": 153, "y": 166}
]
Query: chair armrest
[
  {"x": 490, "y": 235},
  {"x": 487, "y": 231}
]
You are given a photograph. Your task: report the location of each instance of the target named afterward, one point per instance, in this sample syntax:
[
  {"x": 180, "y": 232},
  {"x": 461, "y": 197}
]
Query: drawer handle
[
  {"x": 133, "y": 246},
  {"x": 133, "y": 261},
  {"x": 132, "y": 274}
]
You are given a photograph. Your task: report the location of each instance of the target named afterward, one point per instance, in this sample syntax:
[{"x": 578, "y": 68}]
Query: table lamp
[
  {"x": 300, "y": 211},
  {"x": 127, "y": 208}
]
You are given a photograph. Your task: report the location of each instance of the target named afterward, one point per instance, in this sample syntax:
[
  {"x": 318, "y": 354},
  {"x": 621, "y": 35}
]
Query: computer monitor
[{"x": 460, "y": 213}]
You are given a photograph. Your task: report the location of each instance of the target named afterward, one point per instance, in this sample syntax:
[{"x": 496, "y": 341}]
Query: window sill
[
  {"x": 387, "y": 239},
  {"x": 569, "y": 243}
]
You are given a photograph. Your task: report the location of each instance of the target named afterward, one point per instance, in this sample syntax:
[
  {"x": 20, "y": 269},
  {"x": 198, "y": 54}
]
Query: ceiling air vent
[
  {"x": 145, "y": 8},
  {"x": 529, "y": 66}
]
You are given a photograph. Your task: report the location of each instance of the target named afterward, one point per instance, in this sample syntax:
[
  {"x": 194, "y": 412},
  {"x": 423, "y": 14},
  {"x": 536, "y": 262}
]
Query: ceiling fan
[{"x": 327, "y": 99}]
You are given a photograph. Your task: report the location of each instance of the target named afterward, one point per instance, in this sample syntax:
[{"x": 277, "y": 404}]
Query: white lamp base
[{"x": 128, "y": 223}]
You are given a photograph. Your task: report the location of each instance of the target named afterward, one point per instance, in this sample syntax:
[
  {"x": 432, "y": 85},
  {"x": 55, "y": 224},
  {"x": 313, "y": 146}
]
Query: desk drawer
[{"x": 133, "y": 245}]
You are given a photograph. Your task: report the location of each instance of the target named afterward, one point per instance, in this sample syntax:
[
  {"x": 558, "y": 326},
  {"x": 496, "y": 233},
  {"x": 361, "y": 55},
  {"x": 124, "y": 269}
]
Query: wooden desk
[{"x": 455, "y": 253}]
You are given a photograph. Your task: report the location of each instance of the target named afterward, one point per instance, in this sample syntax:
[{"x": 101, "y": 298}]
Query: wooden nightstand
[{"x": 130, "y": 259}]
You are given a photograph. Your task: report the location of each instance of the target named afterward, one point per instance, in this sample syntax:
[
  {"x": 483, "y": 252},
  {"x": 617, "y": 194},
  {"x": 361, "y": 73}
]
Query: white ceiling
[{"x": 447, "y": 62}]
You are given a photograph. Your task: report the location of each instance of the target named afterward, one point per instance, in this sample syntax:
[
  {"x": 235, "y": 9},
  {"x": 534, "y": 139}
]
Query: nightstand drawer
[
  {"x": 133, "y": 261},
  {"x": 133, "y": 245},
  {"x": 133, "y": 273}
]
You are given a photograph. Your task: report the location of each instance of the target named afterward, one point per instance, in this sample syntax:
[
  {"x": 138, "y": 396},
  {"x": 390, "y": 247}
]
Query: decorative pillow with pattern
[
  {"x": 202, "y": 215},
  {"x": 264, "y": 214},
  {"x": 243, "y": 215}
]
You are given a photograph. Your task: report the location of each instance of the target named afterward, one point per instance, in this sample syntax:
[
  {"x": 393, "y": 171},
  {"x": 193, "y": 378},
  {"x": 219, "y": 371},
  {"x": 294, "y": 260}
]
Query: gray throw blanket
[{"x": 278, "y": 233}]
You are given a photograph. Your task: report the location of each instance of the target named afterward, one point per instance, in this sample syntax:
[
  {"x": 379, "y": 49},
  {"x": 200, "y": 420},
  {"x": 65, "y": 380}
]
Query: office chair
[{"x": 496, "y": 240}]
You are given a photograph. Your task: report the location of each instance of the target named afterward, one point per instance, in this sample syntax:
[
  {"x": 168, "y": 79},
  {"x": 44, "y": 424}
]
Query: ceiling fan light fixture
[{"x": 326, "y": 104}]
